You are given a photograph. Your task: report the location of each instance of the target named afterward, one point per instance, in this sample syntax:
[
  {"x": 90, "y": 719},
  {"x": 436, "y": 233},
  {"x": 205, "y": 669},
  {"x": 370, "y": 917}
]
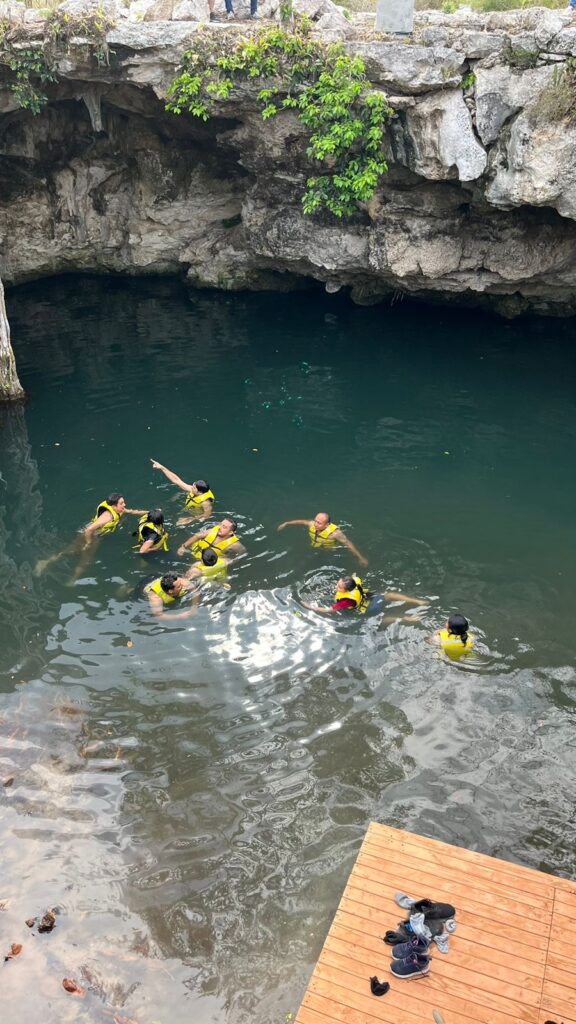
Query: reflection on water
[{"x": 191, "y": 795}]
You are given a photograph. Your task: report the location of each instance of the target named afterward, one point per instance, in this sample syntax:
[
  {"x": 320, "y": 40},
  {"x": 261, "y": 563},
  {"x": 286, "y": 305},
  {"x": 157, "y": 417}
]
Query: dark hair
[
  {"x": 201, "y": 486},
  {"x": 234, "y": 523},
  {"x": 458, "y": 626},
  {"x": 168, "y": 581},
  {"x": 350, "y": 584},
  {"x": 209, "y": 557},
  {"x": 114, "y": 498},
  {"x": 156, "y": 516}
]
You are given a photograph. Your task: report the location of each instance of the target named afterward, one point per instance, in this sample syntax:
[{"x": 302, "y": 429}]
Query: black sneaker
[
  {"x": 433, "y": 911},
  {"x": 415, "y": 945},
  {"x": 414, "y": 966},
  {"x": 213, "y": 16},
  {"x": 403, "y": 933}
]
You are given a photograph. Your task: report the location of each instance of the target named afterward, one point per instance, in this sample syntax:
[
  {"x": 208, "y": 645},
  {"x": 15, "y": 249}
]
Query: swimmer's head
[
  {"x": 209, "y": 557},
  {"x": 171, "y": 583},
  {"x": 347, "y": 583},
  {"x": 156, "y": 517},
  {"x": 200, "y": 487},
  {"x": 227, "y": 528},
  {"x": 116, "y": 500},
  {"x": 321, "y": 520},
  {"x": 457, "y": 625}
]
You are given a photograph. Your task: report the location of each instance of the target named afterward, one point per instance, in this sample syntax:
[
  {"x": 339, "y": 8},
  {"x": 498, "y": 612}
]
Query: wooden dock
[{"x": 512, "y": 959}]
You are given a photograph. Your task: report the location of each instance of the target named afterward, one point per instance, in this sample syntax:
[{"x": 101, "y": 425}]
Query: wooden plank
[
  {"x": 445, "y": 863},
  {"x": 462, "y": 952},
  {"x": 381, "y": 922},
  {"x": 417, "y": 997},
  {"x": 450, "y": 890},
  {"x": 395, "y": 838},
  {"x": 462, "y": 962},
  {"x": 457, "y": 985},
  {"x": 498, "y": 969},
  {"x": 497, "y": 942}
]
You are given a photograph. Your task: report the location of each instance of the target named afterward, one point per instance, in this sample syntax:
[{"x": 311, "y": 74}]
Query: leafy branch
[{"x": 328, "y": 90}]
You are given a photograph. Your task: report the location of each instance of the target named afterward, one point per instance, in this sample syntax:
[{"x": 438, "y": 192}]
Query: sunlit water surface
[{"x": 191, "y": 796}]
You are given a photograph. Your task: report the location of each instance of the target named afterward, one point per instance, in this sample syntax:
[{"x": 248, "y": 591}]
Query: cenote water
[{"x": 191, "y": 796}]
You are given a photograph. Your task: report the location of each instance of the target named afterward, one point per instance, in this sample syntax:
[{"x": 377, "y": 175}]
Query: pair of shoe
[
  {"x": 410, "y": 959},
  {"x": 413, "y": 966}
]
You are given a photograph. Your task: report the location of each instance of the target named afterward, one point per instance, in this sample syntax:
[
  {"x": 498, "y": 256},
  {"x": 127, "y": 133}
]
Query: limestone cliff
[{"x": 479, "y": 205}]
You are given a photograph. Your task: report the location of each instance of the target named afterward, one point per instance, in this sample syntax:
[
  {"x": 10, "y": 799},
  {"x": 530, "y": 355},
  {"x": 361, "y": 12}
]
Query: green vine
[
  {"x": 327, "y": 89},
  {"x": 32, "y": 72}
]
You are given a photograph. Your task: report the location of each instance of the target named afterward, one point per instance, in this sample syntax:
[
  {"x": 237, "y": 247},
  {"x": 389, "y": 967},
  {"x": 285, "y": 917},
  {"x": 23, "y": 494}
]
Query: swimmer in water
[
  {"x": 151, "y": 534},
  {"x": 168, "y": 590},
  {"x": 109, "y": 514},
  {"x": 351, "y": 596},
  {"x": 199, "y": 501},
  {"x": 325, "y": 534},
  {"x": 222, "y": 539},
  {"x": 454, "y": 638}
]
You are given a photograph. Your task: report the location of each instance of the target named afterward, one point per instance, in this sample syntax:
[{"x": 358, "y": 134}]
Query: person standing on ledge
[
  {"x": 325, "y": 534},
  {"x": 230, "y": 14},
  {"x": 200, "y": 500},
  {"x": 351, "y": 596},
  {"x": 222, "y": 539}
]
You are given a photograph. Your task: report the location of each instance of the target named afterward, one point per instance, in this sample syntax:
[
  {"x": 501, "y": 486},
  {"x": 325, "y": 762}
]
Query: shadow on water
[{"x": 191, "y": 795}]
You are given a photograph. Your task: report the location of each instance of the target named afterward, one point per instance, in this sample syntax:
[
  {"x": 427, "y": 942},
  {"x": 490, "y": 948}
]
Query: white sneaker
[{"x": 230, "y": 16}]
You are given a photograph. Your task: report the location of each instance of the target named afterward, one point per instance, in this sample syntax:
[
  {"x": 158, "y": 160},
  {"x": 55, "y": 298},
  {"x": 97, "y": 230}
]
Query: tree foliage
[{"x": 327, "y": 89}]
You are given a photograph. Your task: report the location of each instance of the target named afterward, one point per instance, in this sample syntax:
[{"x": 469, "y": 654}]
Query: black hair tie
[{"x": 378, "y": 988}]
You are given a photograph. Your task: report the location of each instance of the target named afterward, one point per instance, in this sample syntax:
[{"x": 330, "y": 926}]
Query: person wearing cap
[
  {"x": 199, "y": 501},
  {"x": 324, "y": 533}
]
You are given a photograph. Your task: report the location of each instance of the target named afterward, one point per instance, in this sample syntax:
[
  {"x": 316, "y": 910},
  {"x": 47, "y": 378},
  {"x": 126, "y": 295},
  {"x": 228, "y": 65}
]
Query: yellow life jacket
[
  {"x": 210, "y": 541},
  {"x": 194, "y": 502},
  {"x": 156, "y": 588},
  {"x": 219, "y": 571},
  {"x": 322, "y": 539},
  {"x": 358, "y": 595},
  {"x": 452, "y": 644},
  {"x": 161, "y": 535},
  {"x": 114, "y": 522}
]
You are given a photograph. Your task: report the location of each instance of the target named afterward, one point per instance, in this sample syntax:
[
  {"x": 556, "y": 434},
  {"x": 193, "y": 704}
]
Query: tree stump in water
[{"x": 10, "y": 387}]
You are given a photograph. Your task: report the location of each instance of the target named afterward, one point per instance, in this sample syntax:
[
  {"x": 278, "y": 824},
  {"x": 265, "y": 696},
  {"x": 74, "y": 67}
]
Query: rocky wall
[{"x": 478, "y": 207}]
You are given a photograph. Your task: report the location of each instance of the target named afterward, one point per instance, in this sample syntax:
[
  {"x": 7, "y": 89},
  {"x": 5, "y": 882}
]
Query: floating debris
[
  {"x": 48, "y": 921},
  {"x": 70, "y": 985},
  {"x": 8, "y": 782},
  {"x": 30, "y": 922},
  {"x": 15, "y": 950}
]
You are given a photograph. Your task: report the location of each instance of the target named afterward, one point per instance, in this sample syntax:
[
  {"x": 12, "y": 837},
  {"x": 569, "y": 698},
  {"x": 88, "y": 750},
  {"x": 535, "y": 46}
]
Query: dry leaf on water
[
  {"x": 70, "y": 985},
  {"x": 8, "y": 782},
  {"x": 15, "y": 950},
  {"x": 30, "y": 922}
]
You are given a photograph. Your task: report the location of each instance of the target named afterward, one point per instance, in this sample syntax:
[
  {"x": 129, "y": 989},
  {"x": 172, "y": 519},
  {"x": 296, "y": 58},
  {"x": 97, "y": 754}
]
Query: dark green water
[{"x": 192, "y": 796}]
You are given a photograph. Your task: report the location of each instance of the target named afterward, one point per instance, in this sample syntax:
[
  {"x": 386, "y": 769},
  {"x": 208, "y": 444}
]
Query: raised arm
[
  {"x": 294, "y": 522},
  {"x": 341, "y": 537},
  {"x": 191, "y": 540},
  {"x": 173, "y": 477}
]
